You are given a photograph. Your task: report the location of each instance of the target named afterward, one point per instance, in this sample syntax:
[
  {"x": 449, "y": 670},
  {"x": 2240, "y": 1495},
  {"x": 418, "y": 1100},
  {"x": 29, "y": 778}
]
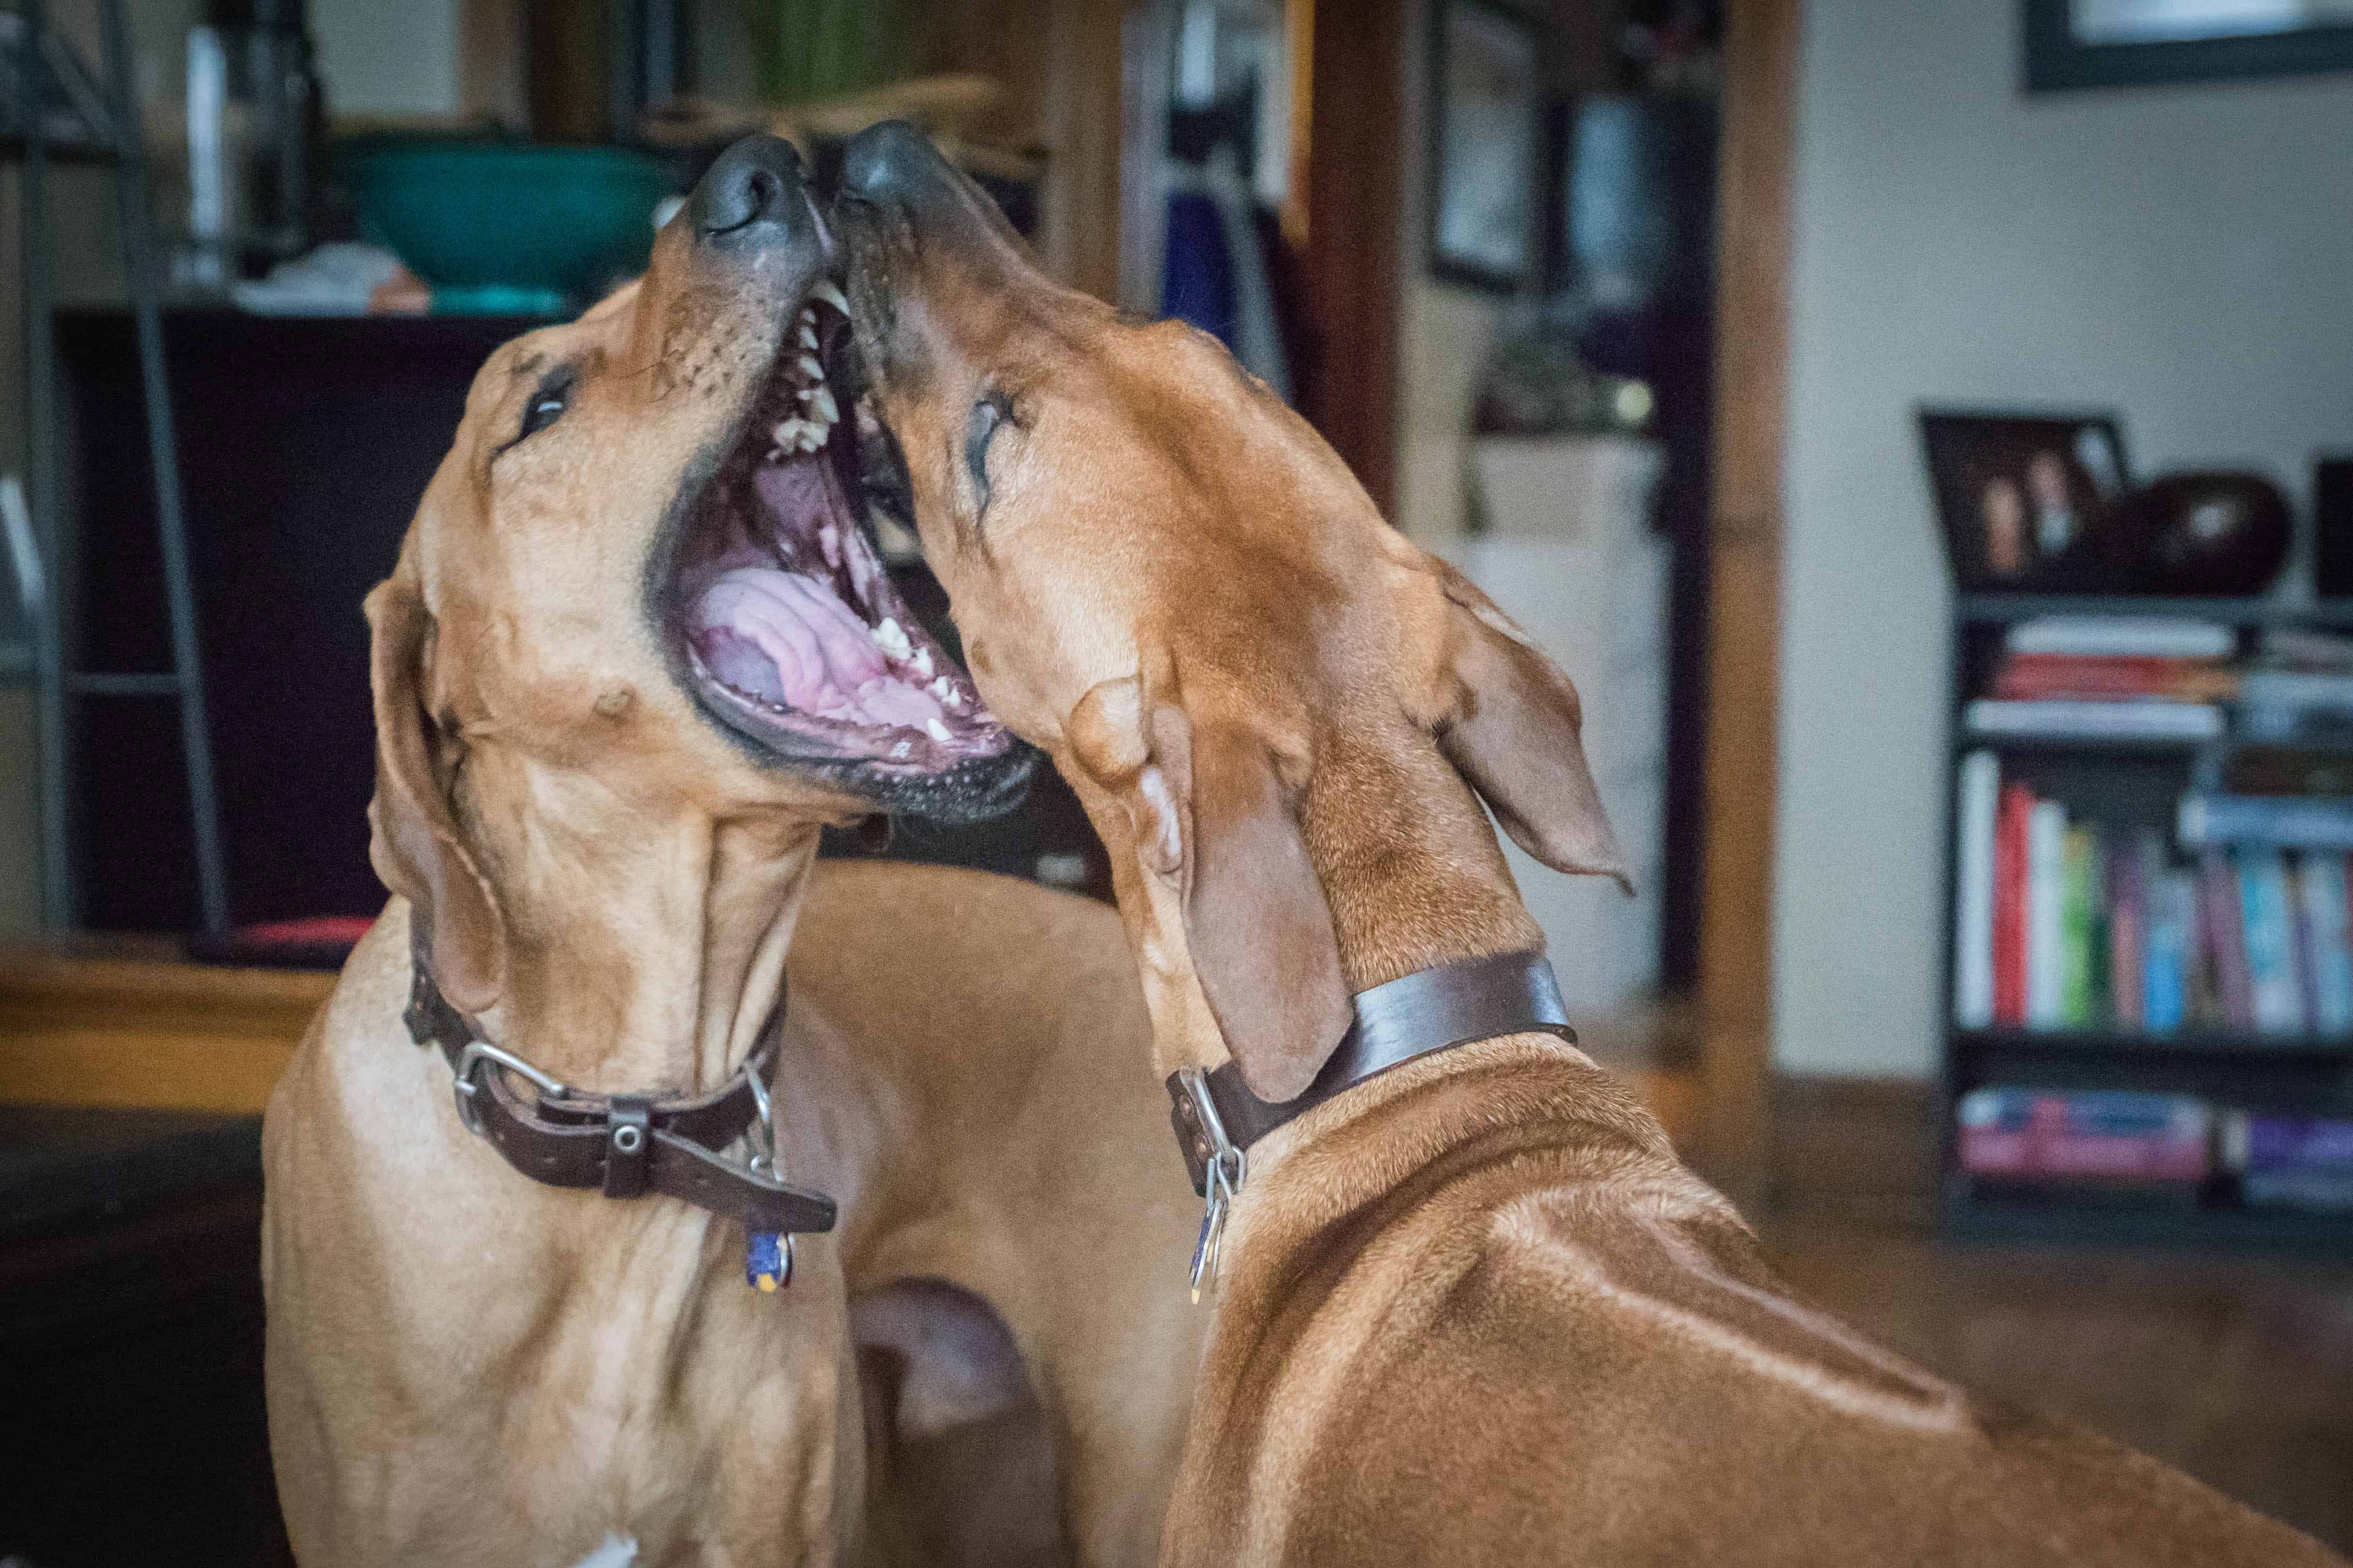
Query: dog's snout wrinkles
[{"x": 753, "y": 193}]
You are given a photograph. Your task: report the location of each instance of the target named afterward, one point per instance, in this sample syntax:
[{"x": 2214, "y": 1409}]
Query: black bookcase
[{"x": 2136, "y": 781}]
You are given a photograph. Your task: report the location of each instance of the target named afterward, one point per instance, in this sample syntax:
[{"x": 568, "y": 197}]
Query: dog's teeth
[
  {"x": 937, "y": 730},
  {"x": 827, "y": 411},
  {"x": 899, "y": 752},
  {"x": 891, "y": 639},
  {"x": 826, "y": 292},
  {"x": 923, "y": 662},
  {"x": 808, "y": 333},
  {"x": 810, "y": 367},
  {"x": 948, "y": 693}
]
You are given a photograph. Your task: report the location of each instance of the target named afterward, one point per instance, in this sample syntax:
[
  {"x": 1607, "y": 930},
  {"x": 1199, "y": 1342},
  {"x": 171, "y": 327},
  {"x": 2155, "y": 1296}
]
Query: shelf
[
  {"x": 1967, "y": 1217},
  {"x": 1964, "y": 740},
  {"x": 2188, "y": 1043},
  {"x": 1998, "y": 609}
]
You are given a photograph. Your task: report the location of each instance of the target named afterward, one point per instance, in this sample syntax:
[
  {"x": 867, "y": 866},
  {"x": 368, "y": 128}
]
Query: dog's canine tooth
[
  {"x": 829, "y": 293},
  {"x": 937, "y": 730}
]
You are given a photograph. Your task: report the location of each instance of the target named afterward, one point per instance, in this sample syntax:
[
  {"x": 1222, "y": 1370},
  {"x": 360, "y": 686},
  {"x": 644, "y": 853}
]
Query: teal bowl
[{"x": 511, "y": 227}]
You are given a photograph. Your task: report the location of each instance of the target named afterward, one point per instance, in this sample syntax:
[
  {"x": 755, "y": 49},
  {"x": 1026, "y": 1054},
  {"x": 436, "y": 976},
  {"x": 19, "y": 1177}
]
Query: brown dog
[
  {"x": 1473, "y": 1311},
  {"x": 636, "y": 653}
]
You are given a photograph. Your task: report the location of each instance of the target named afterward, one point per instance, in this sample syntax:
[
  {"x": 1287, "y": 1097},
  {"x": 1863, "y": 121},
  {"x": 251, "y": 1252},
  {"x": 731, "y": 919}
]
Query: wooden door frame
[
  {"x": 1352, "y": 270},
  {"x": 1744, "y": 533}
]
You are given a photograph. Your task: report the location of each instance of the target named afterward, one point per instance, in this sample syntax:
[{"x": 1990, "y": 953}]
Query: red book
[
  {"x": 2009, "y": 906},
  {"x": 2031, "y": 676}
]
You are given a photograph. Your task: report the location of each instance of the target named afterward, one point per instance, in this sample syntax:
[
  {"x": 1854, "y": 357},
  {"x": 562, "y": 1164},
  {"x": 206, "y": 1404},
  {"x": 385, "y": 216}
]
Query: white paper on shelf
[
  {"x": 2150, "y": 636},
  {"x": 2136, "y": 718}
]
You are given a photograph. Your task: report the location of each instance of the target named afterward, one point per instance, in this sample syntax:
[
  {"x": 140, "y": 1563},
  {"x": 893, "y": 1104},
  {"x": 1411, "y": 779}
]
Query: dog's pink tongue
[{"x": 789, "y": 638}]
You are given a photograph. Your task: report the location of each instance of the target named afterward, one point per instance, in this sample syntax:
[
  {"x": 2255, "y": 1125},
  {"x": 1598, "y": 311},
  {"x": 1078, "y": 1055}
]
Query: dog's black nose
[
  {"x": 892, "y": 164},
  {"x": 752, "y": 193}
]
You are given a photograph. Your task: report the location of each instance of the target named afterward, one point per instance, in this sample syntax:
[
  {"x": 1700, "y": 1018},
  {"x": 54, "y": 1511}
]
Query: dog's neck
[
  {"x": 1409, "y": 866},
  {"x": 665, "y": 969}
]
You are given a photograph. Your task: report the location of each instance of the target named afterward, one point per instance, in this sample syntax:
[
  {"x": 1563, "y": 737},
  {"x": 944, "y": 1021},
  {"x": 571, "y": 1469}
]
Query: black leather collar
[
  {"x": 624, "y": 1145},
  {"x": 1428, "y": 1010}
]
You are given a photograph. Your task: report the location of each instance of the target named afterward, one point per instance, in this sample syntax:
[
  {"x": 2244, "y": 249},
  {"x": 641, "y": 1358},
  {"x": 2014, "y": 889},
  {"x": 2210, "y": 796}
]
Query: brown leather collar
[
  {"x": 1218, "y": 1117},
  {"x": 624, "y": 1145}
]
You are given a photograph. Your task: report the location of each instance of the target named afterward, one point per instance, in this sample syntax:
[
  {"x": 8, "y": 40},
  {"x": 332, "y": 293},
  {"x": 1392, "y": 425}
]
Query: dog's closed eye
[
  {"x": 548, "y": 401},
  {"x": 990, "y": 414}
]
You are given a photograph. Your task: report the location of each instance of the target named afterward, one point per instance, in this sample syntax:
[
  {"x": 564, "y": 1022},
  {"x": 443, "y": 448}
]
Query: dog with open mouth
[
  {"x": 581, "y": 1243},
  {"x": 1469, "y": 1308}
]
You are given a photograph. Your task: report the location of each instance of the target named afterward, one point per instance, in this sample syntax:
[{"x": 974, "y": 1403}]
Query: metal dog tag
[{"x": 1226, "y": 1167}]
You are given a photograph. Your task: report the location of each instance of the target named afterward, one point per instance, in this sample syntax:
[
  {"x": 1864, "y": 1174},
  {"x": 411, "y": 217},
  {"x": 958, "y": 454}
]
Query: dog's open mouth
[{"x": 792, "y": 632}]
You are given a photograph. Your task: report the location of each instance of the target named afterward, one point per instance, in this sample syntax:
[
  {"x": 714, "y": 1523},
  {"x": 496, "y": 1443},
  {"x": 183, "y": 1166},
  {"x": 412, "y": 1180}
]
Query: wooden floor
[{"x": 2238, "y": 1367}]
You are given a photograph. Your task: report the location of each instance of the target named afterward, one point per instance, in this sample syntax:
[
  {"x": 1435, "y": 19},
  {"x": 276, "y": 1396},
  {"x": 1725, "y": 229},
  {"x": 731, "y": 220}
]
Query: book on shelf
[
  {"x": 2321, "y": 888},
  {"x": 2289, "y": 1159},
  {"x": 2275, "y": 992},
  {"x": 2120, "y": 1135},
  {"x": 2068, "y": 922},
  {"x": 2172, "y": 951},
  {"x": 2147, "y": 636},
  {"x": 2032, "y": 676},
  {"x": 2046, "y": 920},
  {"x": 2139, "y": 718},
  {"x": 2009, "y": 878},
  {"x": 2209, "y": 817},
  {"x": 1973, "y": 978},
  {"x": 2269, "y": 687}
]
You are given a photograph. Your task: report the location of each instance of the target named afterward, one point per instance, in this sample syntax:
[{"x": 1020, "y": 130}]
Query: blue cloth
[{"x": 1198, "y": 280}]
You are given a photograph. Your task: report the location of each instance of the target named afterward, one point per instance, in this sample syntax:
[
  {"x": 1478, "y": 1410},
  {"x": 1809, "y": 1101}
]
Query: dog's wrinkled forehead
[{"x": 534, "y": 538}]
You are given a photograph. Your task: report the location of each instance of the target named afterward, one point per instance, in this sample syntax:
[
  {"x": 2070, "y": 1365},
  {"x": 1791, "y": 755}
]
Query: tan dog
[
  {"x": 636, "y": 653},
  {"x": 1473, "y": 1311}
]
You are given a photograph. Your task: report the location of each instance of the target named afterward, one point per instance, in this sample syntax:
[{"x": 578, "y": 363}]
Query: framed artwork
[
  {"x": 2121, "y": 43},
  {"x": 2016, "y": 494},
  {"x": 1487, "y": 144}
]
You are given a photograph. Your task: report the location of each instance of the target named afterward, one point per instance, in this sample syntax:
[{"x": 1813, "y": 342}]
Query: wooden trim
[
  {"x": 150, "y": 1033},
  {"x": 1735, "y": 970},
  {"x": 1085, "y": 113},
  {"x": 1348, "y": 384}
]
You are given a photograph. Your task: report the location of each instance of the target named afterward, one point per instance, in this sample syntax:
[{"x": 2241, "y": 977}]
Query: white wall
[
  {"x": 2184, "y": 255},
  {"x": 388, "y": 60}
]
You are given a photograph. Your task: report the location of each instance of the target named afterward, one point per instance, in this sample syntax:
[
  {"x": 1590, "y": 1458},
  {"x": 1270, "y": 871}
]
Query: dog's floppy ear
[
  {"x": 414, "y": 841},
  {"x": 1516, "y": 734},
  {"x": 1209, "y": 811}
]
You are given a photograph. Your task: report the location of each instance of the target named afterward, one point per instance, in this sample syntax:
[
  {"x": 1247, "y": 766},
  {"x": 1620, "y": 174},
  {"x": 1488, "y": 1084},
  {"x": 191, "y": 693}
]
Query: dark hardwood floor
[{"x": 2236, "y": 1367}]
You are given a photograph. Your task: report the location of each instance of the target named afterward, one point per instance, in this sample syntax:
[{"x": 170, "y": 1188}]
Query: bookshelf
[{"x": 2131, "y": 786}]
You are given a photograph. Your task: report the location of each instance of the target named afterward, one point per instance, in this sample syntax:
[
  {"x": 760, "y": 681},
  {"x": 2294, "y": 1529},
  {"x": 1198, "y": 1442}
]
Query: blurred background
[{"x": 1922, "y": 430}]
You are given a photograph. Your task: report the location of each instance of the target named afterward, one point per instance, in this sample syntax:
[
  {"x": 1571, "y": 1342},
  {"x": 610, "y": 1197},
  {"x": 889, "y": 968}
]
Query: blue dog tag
[{"x": 767, "y": 1260}]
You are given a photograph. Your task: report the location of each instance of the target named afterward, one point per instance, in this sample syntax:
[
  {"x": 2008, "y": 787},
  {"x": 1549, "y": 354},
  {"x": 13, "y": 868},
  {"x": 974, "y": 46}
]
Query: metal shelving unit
[{"x": 63, "y": 113}]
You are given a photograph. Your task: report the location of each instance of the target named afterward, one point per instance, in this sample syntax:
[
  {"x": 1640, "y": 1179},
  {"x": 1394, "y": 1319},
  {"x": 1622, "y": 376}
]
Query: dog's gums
[{"x": 792, "y": 632}]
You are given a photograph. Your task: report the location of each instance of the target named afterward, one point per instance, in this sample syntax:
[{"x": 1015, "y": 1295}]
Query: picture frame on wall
[
  {"x": 1487, "y": 140},
  {"x": 2018, "y": 495},
  {"x": 2072, "y": 44}
]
